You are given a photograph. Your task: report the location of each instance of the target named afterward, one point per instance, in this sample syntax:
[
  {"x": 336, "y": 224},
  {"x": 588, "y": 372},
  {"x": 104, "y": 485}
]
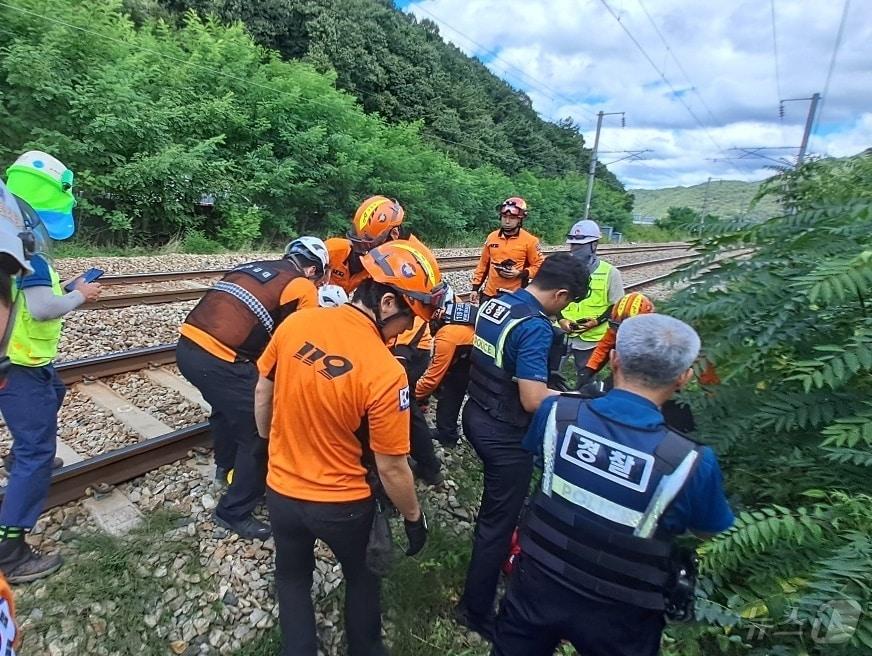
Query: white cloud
[{"x": 573, "y": 59}]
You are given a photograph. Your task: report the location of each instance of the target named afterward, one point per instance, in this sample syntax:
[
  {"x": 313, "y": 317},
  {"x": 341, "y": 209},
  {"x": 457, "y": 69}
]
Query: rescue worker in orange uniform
[
  {"x": 627, "y": 306},
  {"x": 412, "y": 349},
  {"x": 447, "y": 375},
  {"x": 378, "y": 220},
  {"x": 220, "y": 341},
  {"x": 677, "y": 416},
  {"x": 511, "y": 256},
  {"x": 335, "y": 402}
]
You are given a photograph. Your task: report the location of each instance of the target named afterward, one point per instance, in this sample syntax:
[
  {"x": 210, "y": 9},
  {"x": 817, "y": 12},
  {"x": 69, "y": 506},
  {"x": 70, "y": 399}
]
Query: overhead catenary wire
[
  {"x": 678, "y": 63},
  {"x": 840, "y": 33},
  {"x": 775, "y": 51},
  {"x": 662, "y": 75},
  {"x": 554, "y": 93},
  {"x": 236, "y": 78}
]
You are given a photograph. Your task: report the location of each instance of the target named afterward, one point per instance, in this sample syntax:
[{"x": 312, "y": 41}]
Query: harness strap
[
  {"x": 647, "y": 573},
  {"x": 629, "y": 543},
  {"x": 572, "y": 575}
]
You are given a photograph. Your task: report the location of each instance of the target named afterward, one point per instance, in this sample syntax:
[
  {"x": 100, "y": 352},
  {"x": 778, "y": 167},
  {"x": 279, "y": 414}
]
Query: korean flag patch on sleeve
[{"x": 404, "y": 398}]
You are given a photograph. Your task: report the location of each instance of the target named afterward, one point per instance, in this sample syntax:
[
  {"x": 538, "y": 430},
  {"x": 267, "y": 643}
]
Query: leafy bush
[
  {"x": 196, "y": 242},
  {"x": 788, "y": 326}
]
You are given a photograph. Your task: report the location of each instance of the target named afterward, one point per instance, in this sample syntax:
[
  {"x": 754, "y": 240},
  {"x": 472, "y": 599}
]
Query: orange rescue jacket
[{"x": 523, "y": 249}]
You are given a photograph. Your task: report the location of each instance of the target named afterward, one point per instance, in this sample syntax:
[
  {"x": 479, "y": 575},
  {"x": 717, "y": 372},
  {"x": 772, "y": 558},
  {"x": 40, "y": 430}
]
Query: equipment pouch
[
  {"x": 380, "y": 547},
  {"x": 680, "y": 599}
]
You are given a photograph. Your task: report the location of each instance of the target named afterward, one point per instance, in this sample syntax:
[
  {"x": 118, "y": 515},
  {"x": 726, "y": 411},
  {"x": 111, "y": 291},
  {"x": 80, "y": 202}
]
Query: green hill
[{"x": 726, "y": 198}]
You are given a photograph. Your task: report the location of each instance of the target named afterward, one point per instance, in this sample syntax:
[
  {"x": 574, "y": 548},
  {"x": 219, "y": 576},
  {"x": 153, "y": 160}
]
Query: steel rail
[
  {"x": 71, "y": 482},
  {"x": 168, "y": 276},
  {"x": 112, "y": 364},
  {"x": 459, "y": 263}
]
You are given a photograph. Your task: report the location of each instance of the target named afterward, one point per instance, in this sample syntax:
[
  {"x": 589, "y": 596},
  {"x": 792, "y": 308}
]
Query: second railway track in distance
[{"x": 193, "y": 291}]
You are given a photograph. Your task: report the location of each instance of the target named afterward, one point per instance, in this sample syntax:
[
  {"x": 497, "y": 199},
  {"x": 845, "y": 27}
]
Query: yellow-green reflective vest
[
  {"x": 35, "y": 343},
  {"x": 594, "y": 305}
]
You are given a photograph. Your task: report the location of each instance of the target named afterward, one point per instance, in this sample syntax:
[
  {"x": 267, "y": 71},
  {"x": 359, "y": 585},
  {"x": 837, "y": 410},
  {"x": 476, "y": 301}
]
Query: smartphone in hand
[{"x": 89, "y": 276}]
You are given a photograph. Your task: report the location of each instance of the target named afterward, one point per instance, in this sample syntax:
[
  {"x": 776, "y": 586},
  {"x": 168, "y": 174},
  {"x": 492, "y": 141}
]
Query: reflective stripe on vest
[
  {"x": 594, "y": 305},
  {"x": 250, "y": 301},
  {"x": 34, "y": 343},
  {"x": 490, "y": 385}
]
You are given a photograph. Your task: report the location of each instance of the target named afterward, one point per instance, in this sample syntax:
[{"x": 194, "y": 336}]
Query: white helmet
[
  {"x": 583, "y": 232},
  {"x": 312, "y": 251},
  {"x": 332, "y": 296},
  {"x": 12, "y": 226}
]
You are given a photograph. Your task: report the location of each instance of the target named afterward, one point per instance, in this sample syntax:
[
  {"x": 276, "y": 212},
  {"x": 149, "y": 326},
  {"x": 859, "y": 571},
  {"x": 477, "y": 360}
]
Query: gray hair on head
[{"x": 655, "y": 349}]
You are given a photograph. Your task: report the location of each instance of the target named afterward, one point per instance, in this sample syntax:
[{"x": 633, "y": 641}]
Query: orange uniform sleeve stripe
[
  {"x": 600, "y": 355},
  {"x": 535, "y": 257},
  {"x": 443, "y": 354}
]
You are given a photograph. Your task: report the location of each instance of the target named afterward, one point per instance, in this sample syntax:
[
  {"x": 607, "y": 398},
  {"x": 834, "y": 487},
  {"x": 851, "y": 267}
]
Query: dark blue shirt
[
  {"x": 701, "y": 505},
  {"x": 525, "y": 354},
  {"x": 41, "y": 276}
]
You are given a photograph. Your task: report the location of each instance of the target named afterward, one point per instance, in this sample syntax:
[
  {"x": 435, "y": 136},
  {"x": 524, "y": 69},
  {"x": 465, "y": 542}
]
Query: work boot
[
  {"x": 21, "y": 563},
  {"x": 223, "y": 476},
  {"x": 9, "y": 460},
  {"x": 448, "y": 440},
  {"x": 248, "y": 528},
  {"x": 483, "y": 626}
]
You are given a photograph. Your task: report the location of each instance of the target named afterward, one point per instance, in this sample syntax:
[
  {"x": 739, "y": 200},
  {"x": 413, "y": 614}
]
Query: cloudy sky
[{"x": 723, "y": 80}]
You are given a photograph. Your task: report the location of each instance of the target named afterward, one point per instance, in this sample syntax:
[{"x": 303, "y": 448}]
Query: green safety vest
[
  {"x": 35, "y": 343},
  {"x": 594, "y": 305}
]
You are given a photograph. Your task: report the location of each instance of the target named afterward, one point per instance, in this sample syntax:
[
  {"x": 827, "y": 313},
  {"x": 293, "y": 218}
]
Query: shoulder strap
[
  {"x": 672, "y": 451},
  {"x": 568, "y": 406}
]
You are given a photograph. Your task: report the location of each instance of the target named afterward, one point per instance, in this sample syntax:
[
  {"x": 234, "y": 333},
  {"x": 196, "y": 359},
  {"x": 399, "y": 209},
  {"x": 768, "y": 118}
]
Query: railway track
[
  {"x": 449, "y": 262},
  {"x": 195, "y": 291},
  {"x": 73, "y": 481}
]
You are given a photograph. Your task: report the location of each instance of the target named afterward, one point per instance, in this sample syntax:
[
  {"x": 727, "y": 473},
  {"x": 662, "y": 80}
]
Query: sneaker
[
  {"x": 9, "y": 460},
  {"x": 483, "y": 626},
  {"x": 248, "y": 528},
  {"x": 21, "y": 563}
]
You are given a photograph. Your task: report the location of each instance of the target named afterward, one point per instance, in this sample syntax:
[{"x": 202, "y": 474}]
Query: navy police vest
[
  {"x": 490, "y": 385},
  {"x": 605, "y": 486}
]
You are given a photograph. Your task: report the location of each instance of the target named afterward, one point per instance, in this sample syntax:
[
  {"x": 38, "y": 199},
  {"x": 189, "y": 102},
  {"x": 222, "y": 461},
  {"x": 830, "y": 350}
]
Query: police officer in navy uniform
[
  {"x": 508, "y": 382},
  {"x": 599, "y": 566}
]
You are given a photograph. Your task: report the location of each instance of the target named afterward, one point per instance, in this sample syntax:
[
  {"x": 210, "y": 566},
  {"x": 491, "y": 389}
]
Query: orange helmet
[
  {"x": 411, "y": 271},
  {"x": 629, "y": 306},
  {"x": 373, "y": 222},
  {"x": 516, "y": 206}
]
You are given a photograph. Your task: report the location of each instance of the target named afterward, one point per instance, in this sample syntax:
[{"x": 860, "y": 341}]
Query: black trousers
[
  {"x": 450, "y": 396},
  {"x": 229, "y": 388},
  {"x": 538, "y": 612},
  {"x": 507, "y": 472},
  {"x": 344, "y": 527},
  {"x": 415, "y": 363}
]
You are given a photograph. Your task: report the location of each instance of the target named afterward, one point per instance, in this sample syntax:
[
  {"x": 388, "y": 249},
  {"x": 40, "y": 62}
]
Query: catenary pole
[{"x": 592, "y": 171}]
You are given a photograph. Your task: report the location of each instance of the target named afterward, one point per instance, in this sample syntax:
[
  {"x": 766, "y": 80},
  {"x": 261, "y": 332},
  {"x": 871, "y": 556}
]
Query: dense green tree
[
  {"x": 403, "y": 70},
  {"x": 153, "y": 115},
  {"x": 788, "y": 327}
]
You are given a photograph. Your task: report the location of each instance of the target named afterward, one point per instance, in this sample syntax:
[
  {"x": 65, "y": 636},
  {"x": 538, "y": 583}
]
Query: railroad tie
[{"x": 168, "y": 379}]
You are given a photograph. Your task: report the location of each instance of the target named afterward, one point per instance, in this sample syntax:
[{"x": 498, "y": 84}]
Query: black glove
[
  {"x": 584, "y": 377},
  {"x": 416, "y": 532}
]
